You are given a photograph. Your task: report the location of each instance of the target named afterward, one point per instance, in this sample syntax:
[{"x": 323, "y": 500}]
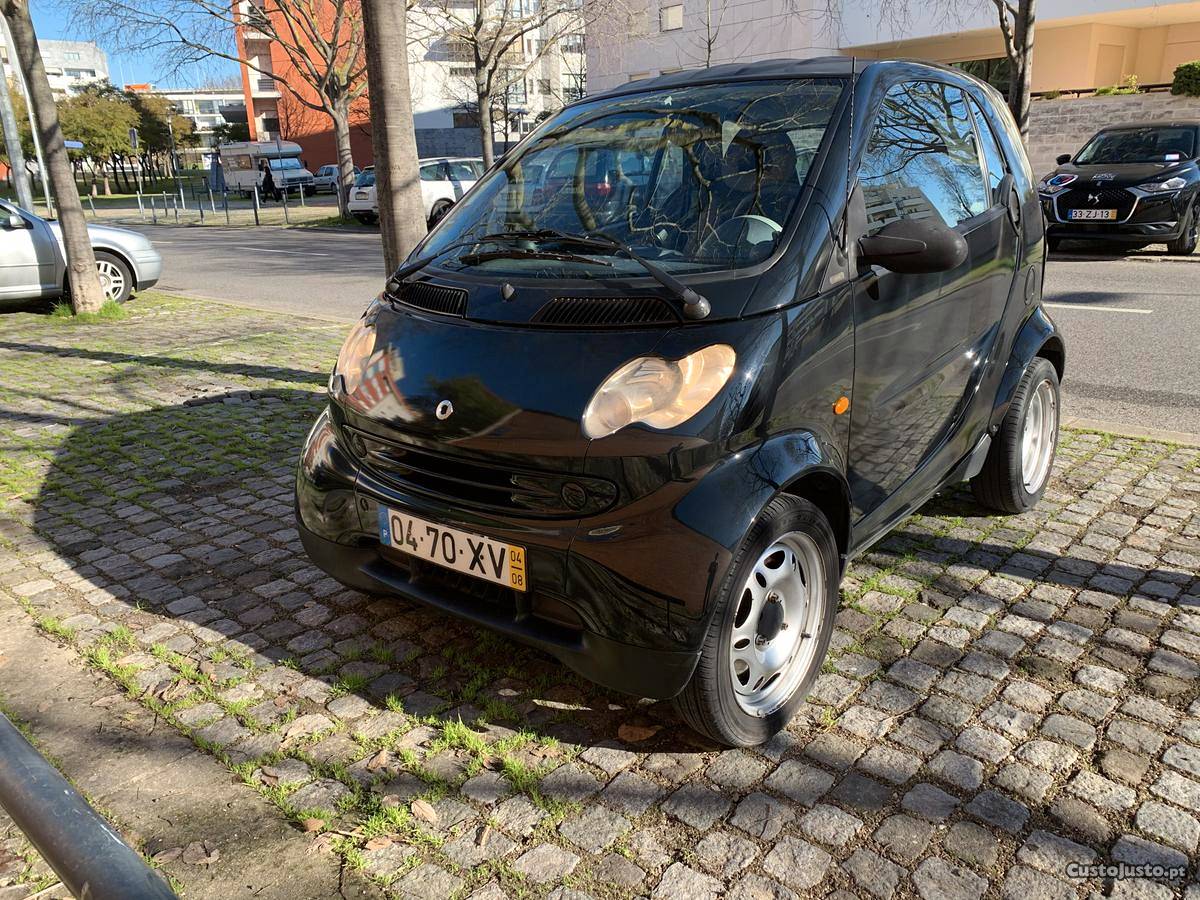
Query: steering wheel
[{"x": 747, "y": 231}]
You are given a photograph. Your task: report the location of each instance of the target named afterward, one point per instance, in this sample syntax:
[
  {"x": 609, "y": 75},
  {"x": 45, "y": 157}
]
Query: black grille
[
  {"x": 434, "y": 298},
  {"x": 1096, "y": 198},
  {"x": 496, "y": 487},
  {"x": 593, "y": 312}
]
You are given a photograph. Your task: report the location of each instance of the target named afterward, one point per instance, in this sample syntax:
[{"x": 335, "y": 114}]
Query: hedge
[{"x": 1187, "y": 79}]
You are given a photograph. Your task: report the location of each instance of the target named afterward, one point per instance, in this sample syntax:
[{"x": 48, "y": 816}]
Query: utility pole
[{"x": 16, "y": 156}]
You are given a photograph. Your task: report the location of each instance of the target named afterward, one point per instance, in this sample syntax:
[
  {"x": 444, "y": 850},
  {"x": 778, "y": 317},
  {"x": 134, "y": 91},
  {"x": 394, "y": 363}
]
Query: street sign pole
[
  {"x": 33, "y": 127},
  {"x": 16, "y": 156}
]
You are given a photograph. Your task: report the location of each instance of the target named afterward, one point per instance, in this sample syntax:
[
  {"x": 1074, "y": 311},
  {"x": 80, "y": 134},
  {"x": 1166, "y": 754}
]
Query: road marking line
[
  {"x": 1088, "y": 308},
  {"x": 289, "y": 252}
]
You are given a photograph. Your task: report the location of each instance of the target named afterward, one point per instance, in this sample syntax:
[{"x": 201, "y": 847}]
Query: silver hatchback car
[{"x": 33, "y": 265}]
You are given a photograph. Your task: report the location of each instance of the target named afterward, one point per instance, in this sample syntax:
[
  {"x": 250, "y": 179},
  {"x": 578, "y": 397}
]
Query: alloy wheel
[
  {"x": 1037, "y": 436},
  {"x": 776, "y": 623},
  {"x": 112, "y": 279}
]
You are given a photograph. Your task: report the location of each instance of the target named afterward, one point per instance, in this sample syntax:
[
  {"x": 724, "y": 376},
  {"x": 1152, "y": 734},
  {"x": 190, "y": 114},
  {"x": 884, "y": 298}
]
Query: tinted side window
[
  {"x": 921, "y": 159},
  {"x": 996, "y": 166}
]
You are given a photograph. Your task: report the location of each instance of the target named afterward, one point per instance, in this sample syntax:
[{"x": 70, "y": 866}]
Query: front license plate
[
  {"x": 471, "y": 554},
  {"x": 1104, "y": 215}
]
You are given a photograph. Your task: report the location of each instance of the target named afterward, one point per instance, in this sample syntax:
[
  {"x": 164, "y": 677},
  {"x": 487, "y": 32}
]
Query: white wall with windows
[{"x": 70, "y": 65}]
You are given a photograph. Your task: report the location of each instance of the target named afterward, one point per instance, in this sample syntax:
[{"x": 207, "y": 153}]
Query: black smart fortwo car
[
  {"x": 1131, "y": 184},
  {"x": 643, "y": 422}
]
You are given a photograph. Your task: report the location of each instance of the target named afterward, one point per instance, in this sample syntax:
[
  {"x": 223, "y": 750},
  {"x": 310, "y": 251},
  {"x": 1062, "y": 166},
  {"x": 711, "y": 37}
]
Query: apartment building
[
  {"x": 70, "y": 65},
  {"x": 441, "y": 78},
  {"x": 206, "y": 107},
  {"x": 1078, "y": 46}
]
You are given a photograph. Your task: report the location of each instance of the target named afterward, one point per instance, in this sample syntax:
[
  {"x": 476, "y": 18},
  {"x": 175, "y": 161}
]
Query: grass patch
[{"x": 111, "y": 311}]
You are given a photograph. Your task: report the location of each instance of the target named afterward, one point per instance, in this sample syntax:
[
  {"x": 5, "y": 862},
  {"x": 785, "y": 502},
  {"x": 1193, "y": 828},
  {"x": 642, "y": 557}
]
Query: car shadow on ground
[{"x": 191, "y": 590}]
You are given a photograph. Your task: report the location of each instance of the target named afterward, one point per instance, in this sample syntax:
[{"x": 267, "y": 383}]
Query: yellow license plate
[
  {"x": 1094, "y": 215},
  {"x": 471, "y": 554}
]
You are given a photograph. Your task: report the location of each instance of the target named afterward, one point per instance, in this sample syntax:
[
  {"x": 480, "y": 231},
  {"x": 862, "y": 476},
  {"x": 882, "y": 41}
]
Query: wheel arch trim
[{"x": 1038, "y": 336}]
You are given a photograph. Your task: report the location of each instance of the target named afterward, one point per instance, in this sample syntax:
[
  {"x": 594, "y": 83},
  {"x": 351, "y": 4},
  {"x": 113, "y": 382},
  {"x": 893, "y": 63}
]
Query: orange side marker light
[{"x": 842, "y": 404}]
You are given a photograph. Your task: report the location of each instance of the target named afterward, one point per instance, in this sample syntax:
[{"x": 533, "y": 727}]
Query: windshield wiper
[
  {"x": 393, "y": 283},
  {"x": 471, "y": 259},
  {"x": 695, "y": 305}
]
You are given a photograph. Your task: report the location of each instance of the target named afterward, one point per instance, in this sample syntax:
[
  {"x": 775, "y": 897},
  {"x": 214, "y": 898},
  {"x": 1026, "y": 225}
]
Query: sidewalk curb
[{"x": 1132, "y": 431}]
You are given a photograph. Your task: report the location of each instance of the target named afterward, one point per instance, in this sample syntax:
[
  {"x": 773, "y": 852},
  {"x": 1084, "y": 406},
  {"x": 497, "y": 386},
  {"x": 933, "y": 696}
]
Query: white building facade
[
  {"x": 1079, "y": 46},
  {"x": 70, "y": 65},
  {"x": 203, "y": 107}
]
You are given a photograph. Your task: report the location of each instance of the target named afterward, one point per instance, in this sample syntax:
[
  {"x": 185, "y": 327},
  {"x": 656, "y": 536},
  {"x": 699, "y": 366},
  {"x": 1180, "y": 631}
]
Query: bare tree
[
  {"x": 401, "y": 211},
  {"x": 86, "y": 294},
  {"x": 322, "y": 41},
  {"x": 502, "y": 41},
  {"x": 710, "y": 35},
  {"x": 1016, "y": 19}
]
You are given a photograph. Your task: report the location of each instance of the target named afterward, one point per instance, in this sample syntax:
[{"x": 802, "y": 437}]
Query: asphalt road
[{"x": 1132, "y": 323}]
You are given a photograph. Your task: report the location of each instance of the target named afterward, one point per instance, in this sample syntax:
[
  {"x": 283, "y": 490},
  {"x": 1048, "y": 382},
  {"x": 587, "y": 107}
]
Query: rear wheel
[
  {"x": 116, "y": 278},
  {"x": 365, "y": 218},
  {"x": 770, "y": 630},
  {"x": 1185, "y": 244},
  {"x": 1018, "y": 465}
]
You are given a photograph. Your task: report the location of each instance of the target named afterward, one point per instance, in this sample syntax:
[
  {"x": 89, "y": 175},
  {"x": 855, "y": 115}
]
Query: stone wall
[
  {"x": 451, "y": 142},
  {"x": 1063, "y": 125}
]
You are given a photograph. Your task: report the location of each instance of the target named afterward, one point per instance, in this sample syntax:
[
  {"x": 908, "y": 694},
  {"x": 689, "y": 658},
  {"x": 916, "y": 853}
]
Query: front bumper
[
  {"x": 147, "y": 268},
  {"x": 597, "y": 620},
  {"x": 1152, "y": 218}
]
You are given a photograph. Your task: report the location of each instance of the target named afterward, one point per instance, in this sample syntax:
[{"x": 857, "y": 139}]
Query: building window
[
  {"x": 271, "y": 125},
  {"x": 572, "y": 43},
  {"x": 671, "y": 17},
  {"x": 459, "y": 51},
  {"x": 994, "y": 71},
  {"x": 80, "y": 73},
  {"x": 462, "y": 72},
  {"x": 466, "y": 119},
  {"x": 638, "y": 76},
  {"x": 72, "y": 56},
  {"x": 544, "y": 87}
]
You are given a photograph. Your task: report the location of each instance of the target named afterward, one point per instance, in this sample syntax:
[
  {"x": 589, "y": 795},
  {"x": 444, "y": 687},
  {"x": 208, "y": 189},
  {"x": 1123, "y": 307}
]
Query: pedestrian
[{"x": 269, "y": 189}]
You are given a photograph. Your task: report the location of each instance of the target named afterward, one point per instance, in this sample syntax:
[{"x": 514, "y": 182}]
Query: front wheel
[
  {"x": 771, "y": 628},
  {"x": 1018, "y": 465},
  {"x": 116, "y": 278},
  {"x": 1185, "y": 244}
]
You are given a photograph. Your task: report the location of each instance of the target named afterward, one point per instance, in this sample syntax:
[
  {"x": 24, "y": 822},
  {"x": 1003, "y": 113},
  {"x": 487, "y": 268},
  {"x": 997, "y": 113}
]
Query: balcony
[{"x": 263, "y": 86}]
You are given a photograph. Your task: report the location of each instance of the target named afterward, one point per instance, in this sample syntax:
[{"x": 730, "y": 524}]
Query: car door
[
  {"x": 27, "y": 255},
  {"x": 917, "y": 336},
  {"x": 434, "y": 186}
]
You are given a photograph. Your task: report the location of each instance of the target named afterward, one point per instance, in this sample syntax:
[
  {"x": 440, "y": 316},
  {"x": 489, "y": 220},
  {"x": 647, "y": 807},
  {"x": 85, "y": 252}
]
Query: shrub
[
  {"x": 1187, "y": 79},
  {"x": 1051, "y": 95}
]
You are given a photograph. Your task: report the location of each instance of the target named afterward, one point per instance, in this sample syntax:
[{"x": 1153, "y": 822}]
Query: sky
[{"x": 51, "y": 21}]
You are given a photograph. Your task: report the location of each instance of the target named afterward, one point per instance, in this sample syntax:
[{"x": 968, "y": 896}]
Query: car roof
[
  {"x": 1163, "y": 123},
  {"x": 814, "y": 67}
]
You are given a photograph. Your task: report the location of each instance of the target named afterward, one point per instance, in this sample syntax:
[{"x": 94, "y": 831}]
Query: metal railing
[{"x": 84, "y": 851}]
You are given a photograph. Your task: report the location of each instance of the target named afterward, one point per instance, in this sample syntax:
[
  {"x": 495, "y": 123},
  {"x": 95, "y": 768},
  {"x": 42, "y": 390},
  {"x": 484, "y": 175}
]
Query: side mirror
[
  {"x": 913, "y": 246},
  {"x": 15, "y": 222},
  {"x": 1063, "y": 158}
]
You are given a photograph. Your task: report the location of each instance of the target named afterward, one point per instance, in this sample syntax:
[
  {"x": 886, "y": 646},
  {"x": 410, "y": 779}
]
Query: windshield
[
  {"x": 694, "y": 178},
  {"x": 366, "y": 179},
  {"x": 1138, "y": 145},
  {"x": 290, "y": 163}
]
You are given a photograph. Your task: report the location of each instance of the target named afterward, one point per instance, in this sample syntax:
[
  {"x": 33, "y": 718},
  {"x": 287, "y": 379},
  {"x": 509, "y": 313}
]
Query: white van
[{"x": 241, "y": 160}]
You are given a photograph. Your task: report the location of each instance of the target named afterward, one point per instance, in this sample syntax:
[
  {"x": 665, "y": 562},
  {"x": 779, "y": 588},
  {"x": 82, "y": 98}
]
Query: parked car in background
[
  {"x": 326, "y": 178},
  {"x": 443, "y": 183},
  {"x": 33, "y": 265},
  {"x": 646, "y": 430},
  {"x": 362, "y": 204},
  {"x": 1130, "y": 184},
  {"x": 241, "y": 164}
]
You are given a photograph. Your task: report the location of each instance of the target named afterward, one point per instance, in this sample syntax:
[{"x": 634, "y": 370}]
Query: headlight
[
  {"x": 1171, "y": 184},
  {"x": 353, "y": 357},
  {"x": 660, "y": 392},
  {"x": 1055, "y": 183}
]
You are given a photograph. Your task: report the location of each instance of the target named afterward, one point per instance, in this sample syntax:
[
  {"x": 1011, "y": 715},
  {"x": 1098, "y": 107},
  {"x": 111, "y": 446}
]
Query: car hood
[
  {"x": 1125, "y": 175},
  {"x": 103, "y": 235}
]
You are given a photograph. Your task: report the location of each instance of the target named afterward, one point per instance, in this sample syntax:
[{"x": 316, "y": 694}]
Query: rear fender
[{"x": 1038, "y": 337}]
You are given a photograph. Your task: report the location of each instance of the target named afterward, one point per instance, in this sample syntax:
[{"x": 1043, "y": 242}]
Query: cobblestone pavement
[{"x": 1006, "y": 697}]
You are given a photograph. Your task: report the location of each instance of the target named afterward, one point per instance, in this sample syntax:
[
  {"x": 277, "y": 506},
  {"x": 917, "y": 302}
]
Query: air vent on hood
[
  {"x": 431, "y": 297},
  {"x": 592, "y": 312}
]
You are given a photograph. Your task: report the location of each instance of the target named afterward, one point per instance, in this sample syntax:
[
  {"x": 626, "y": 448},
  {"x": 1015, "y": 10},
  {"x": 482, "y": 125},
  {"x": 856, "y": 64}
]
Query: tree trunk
[
  {"x": 1021, "y": 79},
  {"x": 484, "y": 98},
  {"x": 345, "y": 155},
  {"x": 86, "y": 293},
  {"x": 401, "y": 210}
]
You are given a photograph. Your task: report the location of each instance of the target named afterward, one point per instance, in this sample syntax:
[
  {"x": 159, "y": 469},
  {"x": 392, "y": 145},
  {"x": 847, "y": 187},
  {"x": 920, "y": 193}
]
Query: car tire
[
  {"x": 365, "y": 218},
  {"x": 439, "y": 212},
  {"x": 115, "y": 276},
  {"x": 721, "y": 701},
  {"x": 1185, "y": 244},
  {"x": 1018, "y": 465}
]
